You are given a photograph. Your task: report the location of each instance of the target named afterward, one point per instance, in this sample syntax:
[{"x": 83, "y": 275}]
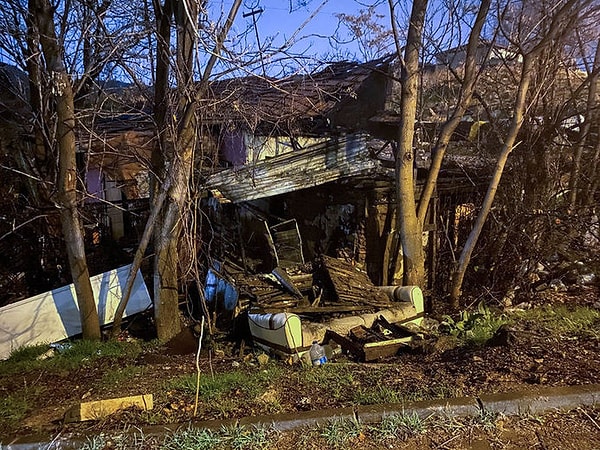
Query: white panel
[{"x": 54, "y": 315}]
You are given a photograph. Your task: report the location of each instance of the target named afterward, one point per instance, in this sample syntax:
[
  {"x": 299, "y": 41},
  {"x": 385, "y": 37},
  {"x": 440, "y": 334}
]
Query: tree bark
[
  {"x": 408, "y": 224},
  {"x": 594, "y": 175},
  {"x": 574, "y": 194},
  {"x": 67, "y": 176},
  {"x": 165, "y": 280}
]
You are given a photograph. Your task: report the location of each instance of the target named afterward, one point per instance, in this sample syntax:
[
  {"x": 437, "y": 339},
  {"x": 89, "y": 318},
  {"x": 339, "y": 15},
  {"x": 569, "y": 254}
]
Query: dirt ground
[{"x": 535, "y": 357}]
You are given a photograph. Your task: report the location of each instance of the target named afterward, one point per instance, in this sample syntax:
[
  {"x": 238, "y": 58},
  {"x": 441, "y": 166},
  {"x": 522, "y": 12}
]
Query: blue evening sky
[{"x": 310, "y": 25}]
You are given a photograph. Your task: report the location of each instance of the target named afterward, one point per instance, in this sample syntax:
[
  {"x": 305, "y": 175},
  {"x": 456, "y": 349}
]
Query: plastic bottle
[{"x": 317, "y": 354}]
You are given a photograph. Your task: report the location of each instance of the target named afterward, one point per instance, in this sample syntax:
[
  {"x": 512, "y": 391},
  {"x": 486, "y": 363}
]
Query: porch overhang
[{"x": 337, "y": 159}]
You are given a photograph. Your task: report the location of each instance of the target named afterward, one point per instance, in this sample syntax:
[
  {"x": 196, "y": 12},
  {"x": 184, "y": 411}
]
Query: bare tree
[
  {"x": 64, "y": 47},
  {"x": 532, "y": 39},
  {"x": 407, "y": 222},
  {"x": 373, "y": 38},
  {"x": 467, "y": 89},
  {"x": 178, "y": 124},
  {"x": 409, "y": 219},
  {"x": 42, "y": 30},
  {"x": 575, "y": 191}
]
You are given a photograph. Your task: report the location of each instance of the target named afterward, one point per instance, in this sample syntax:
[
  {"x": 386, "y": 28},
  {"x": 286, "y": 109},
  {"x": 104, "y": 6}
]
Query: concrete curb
[{"x": 544, "y": 400}]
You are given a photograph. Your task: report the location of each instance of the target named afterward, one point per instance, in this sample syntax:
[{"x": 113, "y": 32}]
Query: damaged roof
[{"x": 256, "y": 99}]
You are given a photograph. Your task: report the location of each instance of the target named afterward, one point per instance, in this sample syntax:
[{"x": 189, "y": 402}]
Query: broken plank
[
  {"x": 398, "y": 330},
  {"x": 286, "y": 281},
  {"x": 99, "y": 409},
  {"x": 350, "y": 284},
  {"x": 364, "y": 334},
  {"x": 303, "y": 282},
  {"x": 403, "y": 341},
  {"x": 383, "y": 350}
]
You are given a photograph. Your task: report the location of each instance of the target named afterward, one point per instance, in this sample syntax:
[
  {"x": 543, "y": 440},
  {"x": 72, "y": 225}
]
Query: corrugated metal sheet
[{"x": 334, "y": 160}]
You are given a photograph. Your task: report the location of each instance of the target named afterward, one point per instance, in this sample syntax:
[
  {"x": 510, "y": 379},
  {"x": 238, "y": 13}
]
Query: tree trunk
[
  {"x": 67, "y": 177},
  {"x": 166, "y": 279},
  {"x": 574, "y": 194},
  {"x": 165, "y": 276},
  {"x": 594, "y": 175},
  {"x": 176, "y": 146},
  {"x": 411, "y": 230}
]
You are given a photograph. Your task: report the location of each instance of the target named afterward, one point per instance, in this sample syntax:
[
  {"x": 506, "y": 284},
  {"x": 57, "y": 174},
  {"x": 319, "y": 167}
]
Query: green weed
[
  {"x": 243, "y": 438},
  {"x": 338, "y": 432},
  {"x": 563, "y": 320},
  {"x": 399, "y": 426},
  {"x": 431, "y": 392},
  {"x": 13, "y": 409},
  {"x": 72, "y": 356},
  {"x": 379, "y": 393},
  {"x": 211, "y": 388},
  {"x": 119, "y": 441},
  {"x": 192, "y": 439},
  {"x": 487, "y": 419},
  {"x": 27, "y": 354},
  {"x": 152, "y": 417},
  {"x": 224, "y": 406},
  {"x": 233, "y": 438},
  {"x": 443, "y": 390},
  {"x": 450, "y": 423},
  {"x": 80, "y": 350},
  {"x": 338, "y": 378},
  {"x": 23, "y": 360},
  {"x": 376, "y": 394},
  {"x": 94, "y": 443},
  {"x": 473, "y": 328},
  {"x": 328, "y": 374}
]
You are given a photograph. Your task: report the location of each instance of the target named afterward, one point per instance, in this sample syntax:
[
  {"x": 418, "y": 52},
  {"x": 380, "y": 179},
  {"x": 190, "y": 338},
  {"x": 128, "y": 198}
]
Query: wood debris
[
  {"x": 332, "y": 286},
  {"x": 265, "y": 291},
  {"x": 382, "y": 340},
  {"x": 351, "y": 285}
]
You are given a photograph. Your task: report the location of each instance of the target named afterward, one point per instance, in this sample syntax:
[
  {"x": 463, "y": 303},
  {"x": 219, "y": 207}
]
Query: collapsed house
[
  {"x": 306, "y": 178},
  {"x": 316, "y": 149}
]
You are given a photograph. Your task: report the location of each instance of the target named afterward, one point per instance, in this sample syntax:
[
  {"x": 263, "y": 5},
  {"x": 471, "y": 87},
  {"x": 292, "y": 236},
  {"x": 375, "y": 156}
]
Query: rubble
[
  {"x": 334, "y": 286},
  {"x": 293, "y": 304},
  {"x": 330, "y": 300},
  {"x": 351, "y": 285},
  {"x": 381, "y": 340}
]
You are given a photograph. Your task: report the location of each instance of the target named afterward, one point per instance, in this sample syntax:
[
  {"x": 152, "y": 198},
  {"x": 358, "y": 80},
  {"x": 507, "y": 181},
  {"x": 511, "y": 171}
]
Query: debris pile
[
  {"x": 330, "y": 301},
  {"x": 381, "y": 340},
  {"x": 326, "y": 287}
]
